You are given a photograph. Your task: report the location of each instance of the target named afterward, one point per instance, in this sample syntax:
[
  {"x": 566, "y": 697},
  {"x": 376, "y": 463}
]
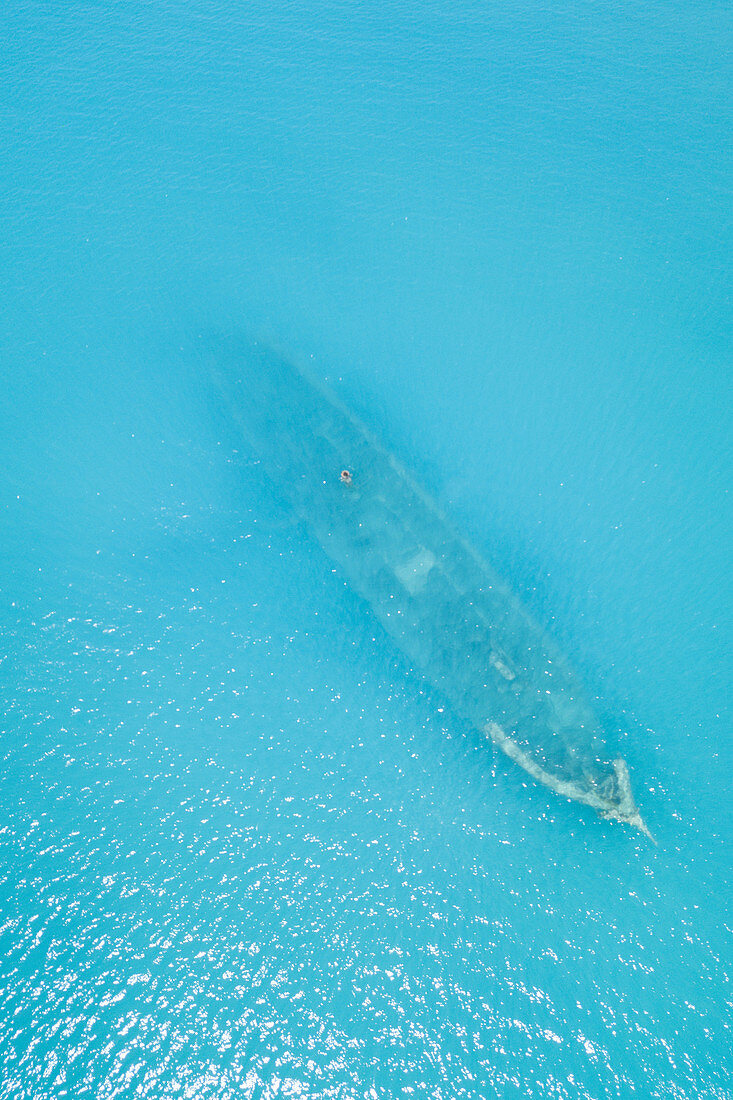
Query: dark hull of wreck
[{"x": 444, "y": 606}]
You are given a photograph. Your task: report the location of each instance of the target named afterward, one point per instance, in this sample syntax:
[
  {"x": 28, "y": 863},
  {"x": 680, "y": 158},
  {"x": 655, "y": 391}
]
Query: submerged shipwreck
[{"x": 444, "y": 606}]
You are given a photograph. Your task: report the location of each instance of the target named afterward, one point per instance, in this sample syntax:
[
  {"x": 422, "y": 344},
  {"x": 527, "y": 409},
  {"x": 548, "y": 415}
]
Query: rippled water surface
[{"x": 244, "y": 850}]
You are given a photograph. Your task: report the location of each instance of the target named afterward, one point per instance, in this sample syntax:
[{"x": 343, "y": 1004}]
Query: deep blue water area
[{"x": 245, "y": 851}]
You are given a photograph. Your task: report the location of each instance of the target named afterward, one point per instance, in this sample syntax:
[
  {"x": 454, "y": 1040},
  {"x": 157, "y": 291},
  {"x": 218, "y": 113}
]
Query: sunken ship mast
[{"x": 443, "y": 605}]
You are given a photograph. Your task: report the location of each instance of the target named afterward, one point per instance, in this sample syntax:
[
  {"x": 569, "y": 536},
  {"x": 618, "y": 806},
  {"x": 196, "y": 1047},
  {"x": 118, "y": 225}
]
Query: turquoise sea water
[{"x": 244, "y": 850}]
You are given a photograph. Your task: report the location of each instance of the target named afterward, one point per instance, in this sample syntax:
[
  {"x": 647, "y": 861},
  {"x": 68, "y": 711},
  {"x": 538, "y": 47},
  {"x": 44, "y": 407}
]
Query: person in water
[{"x": 346, "y": 477}]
